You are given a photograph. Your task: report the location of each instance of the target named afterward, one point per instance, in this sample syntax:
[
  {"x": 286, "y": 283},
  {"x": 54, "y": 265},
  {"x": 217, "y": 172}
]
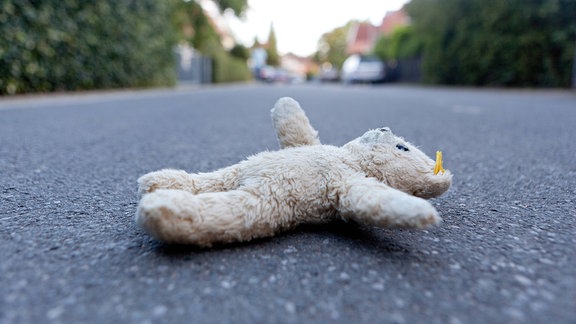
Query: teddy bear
[{"x": 377, "y": 179}]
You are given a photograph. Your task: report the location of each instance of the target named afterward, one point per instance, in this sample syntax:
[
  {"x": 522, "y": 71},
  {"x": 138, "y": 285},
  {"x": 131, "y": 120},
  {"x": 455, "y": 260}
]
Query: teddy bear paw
[
  {"x": 168, "y": 215},
  {"x": 163, "y": 179},
  {"x": 416, "y": 213},
  {"x": 422, "y": 217},
  {"x": 428, "y": 219}
]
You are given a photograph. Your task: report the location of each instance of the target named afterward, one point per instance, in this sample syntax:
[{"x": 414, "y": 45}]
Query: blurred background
[{"x": 68, "y": 45}]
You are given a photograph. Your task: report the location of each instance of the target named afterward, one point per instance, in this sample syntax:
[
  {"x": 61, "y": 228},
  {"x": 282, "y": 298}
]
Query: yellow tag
[{"x": 438, "y": 167}]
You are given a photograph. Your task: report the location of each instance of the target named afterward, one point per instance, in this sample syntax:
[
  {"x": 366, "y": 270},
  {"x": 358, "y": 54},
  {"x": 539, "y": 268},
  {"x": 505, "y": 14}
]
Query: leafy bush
[
  {"x": 494, "y": 42},
  {"x": 401, "y": 44},
  {"x": 54, "y": 45}
]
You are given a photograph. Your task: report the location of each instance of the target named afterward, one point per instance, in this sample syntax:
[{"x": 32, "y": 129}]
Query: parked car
[
  {"x": 363, "y": 69},
  {"x": 266, "y": 73},
  {"x": 328, "y": 73},
  {"x": 272, "y": 74}
]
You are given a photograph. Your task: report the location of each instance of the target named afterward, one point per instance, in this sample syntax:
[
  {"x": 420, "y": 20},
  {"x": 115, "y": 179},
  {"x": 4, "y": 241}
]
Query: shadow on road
[{"x": 348, "y": 233}]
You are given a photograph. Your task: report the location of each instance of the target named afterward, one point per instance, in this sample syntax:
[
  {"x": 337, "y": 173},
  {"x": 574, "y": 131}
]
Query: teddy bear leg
[
  {"x": 177, "y": 216},
  {"x": 221, "y": 180},
  {"x": 371, "y": 202},
  {"x": 292, "y": 126},
  {"x": 165, "y": 179}
]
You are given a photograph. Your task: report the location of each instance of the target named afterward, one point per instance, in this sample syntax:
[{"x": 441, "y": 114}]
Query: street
[{"x": 71, "y": 252}]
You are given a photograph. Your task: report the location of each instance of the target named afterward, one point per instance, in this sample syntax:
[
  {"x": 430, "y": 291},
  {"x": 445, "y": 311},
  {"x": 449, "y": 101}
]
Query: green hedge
[
  {"x": 227, "y": 68},
  {"x": 56, "y": 45},
  {"x": 401, "y": 44},
  {"x": 495, "y": 42}
]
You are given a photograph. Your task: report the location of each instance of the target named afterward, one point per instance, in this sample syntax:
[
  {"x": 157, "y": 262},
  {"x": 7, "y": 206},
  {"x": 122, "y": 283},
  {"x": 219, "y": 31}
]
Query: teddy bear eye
[{"x": 402, "y": 147}]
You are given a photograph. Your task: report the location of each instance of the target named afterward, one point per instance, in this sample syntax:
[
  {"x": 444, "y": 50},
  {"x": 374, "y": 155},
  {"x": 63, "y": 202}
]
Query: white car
[{"x": 363, "y": 69}]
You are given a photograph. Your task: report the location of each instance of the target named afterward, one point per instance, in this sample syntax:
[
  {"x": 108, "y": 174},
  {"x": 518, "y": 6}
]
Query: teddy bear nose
[{"x": 384, "y": 129}]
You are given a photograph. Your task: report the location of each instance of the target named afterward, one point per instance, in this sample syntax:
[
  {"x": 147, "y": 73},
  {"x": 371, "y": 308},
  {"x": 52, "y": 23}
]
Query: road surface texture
[{"x": 71, "y": 253}]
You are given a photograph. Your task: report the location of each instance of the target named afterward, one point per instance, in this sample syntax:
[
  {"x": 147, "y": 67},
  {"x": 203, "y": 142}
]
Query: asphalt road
[{"x": 71, "y": 253}]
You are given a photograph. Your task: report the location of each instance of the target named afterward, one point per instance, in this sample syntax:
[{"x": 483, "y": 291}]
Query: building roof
[
  {"x": 392, "y": 20},
  {"x": 363, "y": 36}
]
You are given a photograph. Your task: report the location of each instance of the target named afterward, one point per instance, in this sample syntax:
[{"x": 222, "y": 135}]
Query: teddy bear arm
[
  {"x": 177, "y": 216},
  {"x": 291, "y": 124},
  {"x": 371, "y": 202},
  {"x": 220, "y": 180}
]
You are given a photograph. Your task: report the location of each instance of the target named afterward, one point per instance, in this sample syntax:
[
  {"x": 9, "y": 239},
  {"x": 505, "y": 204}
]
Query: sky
[{"x": 299, "y": 24}]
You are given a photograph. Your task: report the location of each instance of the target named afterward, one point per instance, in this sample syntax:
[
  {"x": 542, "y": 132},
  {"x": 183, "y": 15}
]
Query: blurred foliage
[
  {"x": 494, "y": 42},
  {"x": 193, "y": 26},
  {"x": 62, "y": 45},
  {"x": 332, "y": 46},
  {"x": 227, "y": 68},
  {"x": 273, "y": 57},
  {"x": 196, "y": 29},
  {"x": 54, "y": 45},
  {"x": 240, "y": 51},
  {"x": 237, "y": 6},
  {"x": 401, "y": 44}
]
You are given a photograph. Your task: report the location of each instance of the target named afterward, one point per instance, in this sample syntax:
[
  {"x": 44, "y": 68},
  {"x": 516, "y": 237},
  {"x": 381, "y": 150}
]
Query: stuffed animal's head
[{"x": 399, "y": 164}]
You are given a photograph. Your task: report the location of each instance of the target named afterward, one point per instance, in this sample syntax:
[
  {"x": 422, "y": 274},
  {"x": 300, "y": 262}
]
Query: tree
[
  {"x": 332, "y": 46},
  {"x": 237, "y": 6},
  {"x": 195, "y": 27},
  {"x": 271, "y": 48},
  {"x": 240, "y": 52},
  {"x": 197, "y": 30},
  {"x": 493, "y": 42}
]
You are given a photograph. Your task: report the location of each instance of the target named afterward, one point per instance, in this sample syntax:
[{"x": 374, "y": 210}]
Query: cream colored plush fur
[{"x": 377, "y": 179}]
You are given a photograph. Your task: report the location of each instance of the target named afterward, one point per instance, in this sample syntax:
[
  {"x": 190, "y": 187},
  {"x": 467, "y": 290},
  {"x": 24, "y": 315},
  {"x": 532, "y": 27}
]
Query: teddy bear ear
[{"x": 386, "y": 134}]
